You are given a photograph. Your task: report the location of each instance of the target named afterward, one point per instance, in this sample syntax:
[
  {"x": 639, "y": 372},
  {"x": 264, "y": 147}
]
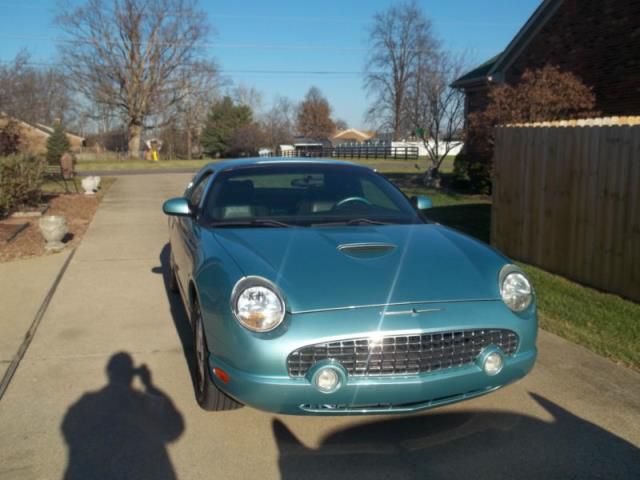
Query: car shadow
[
  {"x": 178, "y": 313},
  {"x": 463, "y": 444},
  {"x": 474, "y": 219},
  {"x": 121, "y": 432}
]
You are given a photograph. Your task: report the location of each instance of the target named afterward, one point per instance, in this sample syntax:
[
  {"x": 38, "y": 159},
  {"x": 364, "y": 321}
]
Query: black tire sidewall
[
  {"x": 202, "y": 385},
  {"x": 208, "y": 395}
]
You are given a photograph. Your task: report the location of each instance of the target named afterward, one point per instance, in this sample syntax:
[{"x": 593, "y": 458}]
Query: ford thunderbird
[{"x": 315, "y": 287}]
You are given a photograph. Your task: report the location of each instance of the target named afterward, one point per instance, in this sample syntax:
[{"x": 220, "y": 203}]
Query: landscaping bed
[{"x": 76, "y": 207}]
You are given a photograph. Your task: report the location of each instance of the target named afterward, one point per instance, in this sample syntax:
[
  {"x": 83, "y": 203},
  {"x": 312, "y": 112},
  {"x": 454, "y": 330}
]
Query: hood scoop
[{"x": 366, "y": 250}]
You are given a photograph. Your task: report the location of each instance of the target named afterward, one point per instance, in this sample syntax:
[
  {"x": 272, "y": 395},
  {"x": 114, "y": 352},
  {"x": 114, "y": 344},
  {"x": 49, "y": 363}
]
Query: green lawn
[
  {"x": 401, "y": 166},
  {"x": 114, "y": 164},
  {"x": 603, "y": 323}
]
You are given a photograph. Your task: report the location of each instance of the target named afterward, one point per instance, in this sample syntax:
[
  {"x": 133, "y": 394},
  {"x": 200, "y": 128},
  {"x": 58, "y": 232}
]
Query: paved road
[{"x": 575, "y": 416}]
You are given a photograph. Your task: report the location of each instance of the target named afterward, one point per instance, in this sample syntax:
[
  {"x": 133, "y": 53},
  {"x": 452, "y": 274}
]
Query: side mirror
[
  {"x": 421, "y": 202},
  {"x": 178, "y": 206}
]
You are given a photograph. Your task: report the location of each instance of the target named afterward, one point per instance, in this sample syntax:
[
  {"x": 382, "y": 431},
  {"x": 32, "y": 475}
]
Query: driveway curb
[{"x": 15, "y": 362}]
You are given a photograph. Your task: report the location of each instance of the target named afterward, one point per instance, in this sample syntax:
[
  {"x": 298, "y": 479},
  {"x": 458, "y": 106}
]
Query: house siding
[
  {"x": 596, "y": 40},
  {"x": 34, "y": 140},
  {"x": 476, "y": 100}
]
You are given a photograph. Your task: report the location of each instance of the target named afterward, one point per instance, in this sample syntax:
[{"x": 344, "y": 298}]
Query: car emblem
[{"x": 414, "y": 312}]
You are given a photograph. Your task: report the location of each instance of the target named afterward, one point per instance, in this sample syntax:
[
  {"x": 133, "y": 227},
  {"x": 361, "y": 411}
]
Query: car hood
[{"x": 344, "y": 267}]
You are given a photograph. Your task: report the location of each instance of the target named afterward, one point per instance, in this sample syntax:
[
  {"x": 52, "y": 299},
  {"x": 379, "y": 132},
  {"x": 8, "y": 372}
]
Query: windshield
[{"x": 305, "y": 195}]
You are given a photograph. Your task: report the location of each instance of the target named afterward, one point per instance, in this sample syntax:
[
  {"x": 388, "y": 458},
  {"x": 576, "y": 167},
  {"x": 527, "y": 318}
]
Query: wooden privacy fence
[{"x": 567, "y": 198}]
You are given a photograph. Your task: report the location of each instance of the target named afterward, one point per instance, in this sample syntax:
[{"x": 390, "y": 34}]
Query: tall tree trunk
[
  {"x": 188, "y": 143},
  {"x": 135, "y": 134}
]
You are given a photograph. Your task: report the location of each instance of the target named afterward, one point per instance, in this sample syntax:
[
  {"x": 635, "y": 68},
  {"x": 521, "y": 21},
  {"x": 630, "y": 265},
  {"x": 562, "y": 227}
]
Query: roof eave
[
  {"x": 471, "y": 82},
  {"x": 529, "y": 30}
]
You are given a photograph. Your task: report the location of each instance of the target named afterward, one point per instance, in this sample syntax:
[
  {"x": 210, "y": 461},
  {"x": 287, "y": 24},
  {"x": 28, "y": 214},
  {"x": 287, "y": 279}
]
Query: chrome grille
[{"x": 403, "y": 354}]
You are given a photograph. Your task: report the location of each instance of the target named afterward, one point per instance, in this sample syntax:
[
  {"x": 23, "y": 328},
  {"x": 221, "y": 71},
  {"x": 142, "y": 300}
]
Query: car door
[{"x": 185, "y": 244}]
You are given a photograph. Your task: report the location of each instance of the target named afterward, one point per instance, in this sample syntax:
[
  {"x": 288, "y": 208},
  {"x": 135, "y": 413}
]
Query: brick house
[
  {"x": 33, "y": 137},
  {"x": 596, "y": 40}
]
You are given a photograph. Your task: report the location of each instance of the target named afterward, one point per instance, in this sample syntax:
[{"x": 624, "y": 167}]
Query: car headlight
[
  {"x": 515, "y": 289},
  {"x": 257, "y": 304}
]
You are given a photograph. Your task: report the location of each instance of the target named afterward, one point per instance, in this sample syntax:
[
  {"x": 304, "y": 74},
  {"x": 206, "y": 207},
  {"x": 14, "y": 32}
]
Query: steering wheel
[{"x": 344, "y": 201}]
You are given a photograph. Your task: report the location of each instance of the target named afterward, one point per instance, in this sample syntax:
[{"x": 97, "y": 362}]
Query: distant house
[
  {"x": 351, "y": 136},
  {"x": 310, "y": 147},
  {"x": 33, "y": 137},
  {"x": 596, "y": 40},
  {"x": 286, "y": 151}
]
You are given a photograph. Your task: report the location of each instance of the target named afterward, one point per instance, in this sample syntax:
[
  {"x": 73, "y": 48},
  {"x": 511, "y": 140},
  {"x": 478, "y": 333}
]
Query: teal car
[{"x": 315, "y": 287}]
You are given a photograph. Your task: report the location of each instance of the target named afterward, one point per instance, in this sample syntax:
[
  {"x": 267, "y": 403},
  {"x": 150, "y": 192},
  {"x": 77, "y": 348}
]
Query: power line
[
  {"x": 239, "y": 46},
  {"x": 223, "y": 71},
  {"x": 206, "y": 45},
  {"x": 286, "y": 18}
]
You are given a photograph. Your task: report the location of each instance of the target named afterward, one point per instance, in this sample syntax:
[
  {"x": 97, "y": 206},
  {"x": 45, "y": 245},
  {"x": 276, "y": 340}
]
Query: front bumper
[
  {"x": 371, "y": 395},
  {"x": 257, "y": 363}
]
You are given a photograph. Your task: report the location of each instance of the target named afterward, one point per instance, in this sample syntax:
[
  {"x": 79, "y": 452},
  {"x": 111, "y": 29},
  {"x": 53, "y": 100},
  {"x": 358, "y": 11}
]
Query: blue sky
[{"x": 295, "y": 35}]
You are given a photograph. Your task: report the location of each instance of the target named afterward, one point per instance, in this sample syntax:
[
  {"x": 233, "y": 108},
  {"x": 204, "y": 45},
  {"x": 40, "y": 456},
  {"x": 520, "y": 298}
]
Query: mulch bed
[
  {"x": 8, "y": 231},
  {"x": 79, "y": 210}
]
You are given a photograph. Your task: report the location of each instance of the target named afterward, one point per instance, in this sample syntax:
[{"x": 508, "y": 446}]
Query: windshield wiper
[
  {"x": 355, "y": 221},
  {"x": 256, "y": 222},
  {"x": 369, "y": 221}
]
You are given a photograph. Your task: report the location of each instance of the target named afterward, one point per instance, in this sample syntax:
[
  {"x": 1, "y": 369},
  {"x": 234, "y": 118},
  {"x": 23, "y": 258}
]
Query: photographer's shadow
[{"x": 120, "y": 432}]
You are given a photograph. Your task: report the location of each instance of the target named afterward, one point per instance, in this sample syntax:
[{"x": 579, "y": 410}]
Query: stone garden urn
[
  {"x": 90, "y": 185},
  {"x": 53, "y": 229}
]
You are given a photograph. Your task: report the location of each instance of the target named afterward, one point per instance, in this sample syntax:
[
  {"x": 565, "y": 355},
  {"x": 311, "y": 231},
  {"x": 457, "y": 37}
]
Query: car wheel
[
  {"x": 173, "y": 280},
  {"x": 208, "y": 395}
]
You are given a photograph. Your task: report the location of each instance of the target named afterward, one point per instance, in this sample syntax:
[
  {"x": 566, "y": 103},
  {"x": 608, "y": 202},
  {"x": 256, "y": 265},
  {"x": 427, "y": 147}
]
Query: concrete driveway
[{"x": 575, "y": 416}]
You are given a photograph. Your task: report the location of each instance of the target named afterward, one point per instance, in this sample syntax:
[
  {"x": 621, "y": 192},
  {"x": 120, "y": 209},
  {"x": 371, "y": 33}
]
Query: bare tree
[
  {"x": 398, "y": 37},
  {"x": 341, "y": 124},
  {"x": 101, "y": 118},
  {"x": 278, "y": 124},
  {"x": 133, "y": 55},
  {"x": 201, "y": 90},
  {"x": 249, "y": 96},
  {"x": 246, "y": 140},
  {"x": 435, "y": 110},
  {"x": 35, "y": 95},
  {"x": 314, "y": 116},
  {"x": 11, "y": 83}
]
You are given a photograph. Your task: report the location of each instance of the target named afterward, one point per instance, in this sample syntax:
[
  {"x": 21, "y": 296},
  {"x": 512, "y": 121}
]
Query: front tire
[{"x": 208, "y": 395}]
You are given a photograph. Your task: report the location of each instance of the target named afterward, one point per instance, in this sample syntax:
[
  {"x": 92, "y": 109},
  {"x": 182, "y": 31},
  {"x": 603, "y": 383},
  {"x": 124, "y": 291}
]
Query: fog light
[
  {"x": 327, "y": 379},
  {"x": 493, "y": 363}
]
